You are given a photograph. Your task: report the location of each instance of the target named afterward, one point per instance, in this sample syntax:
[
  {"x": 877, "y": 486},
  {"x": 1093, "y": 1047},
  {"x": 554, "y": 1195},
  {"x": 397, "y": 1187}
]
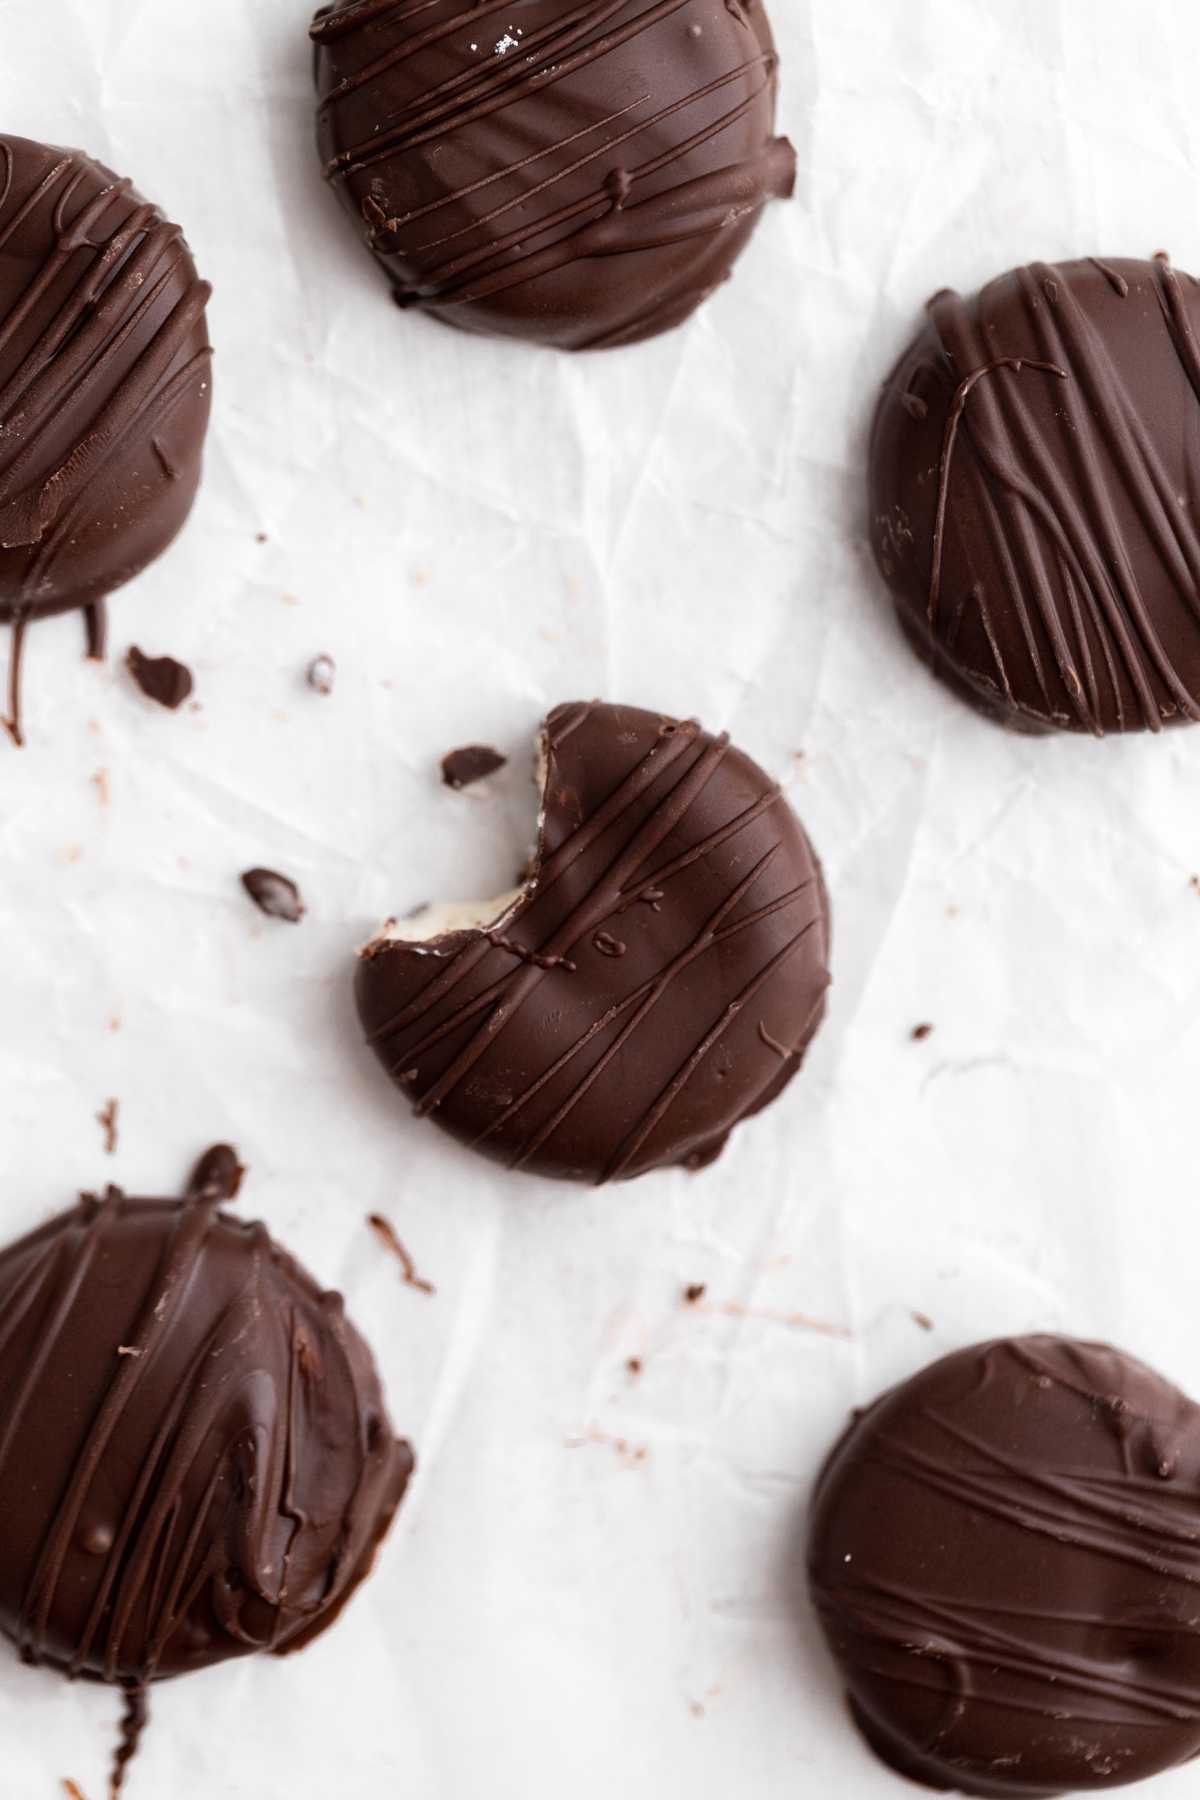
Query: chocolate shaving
[
  {"x": 921, "y": 1032},
  {"x": 462, "y": 767},
  {"x": 72, "y": 1789},
  {"x": 923, "y": 1320},
  {"x": 274, "y": 894},
  {"x": 385, "y": 1231},
  {"x": 695, "y": 1293},
  {"x": 106, "y": 1118},
  {"x": 161, "y": 678}
]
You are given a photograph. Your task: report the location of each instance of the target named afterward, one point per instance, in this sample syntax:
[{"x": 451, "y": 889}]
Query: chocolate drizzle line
[
  {"x": 1075, "y": 546},
  {"x": 102, "y": 347},
  {"x": 218, "y": 1483},
  {"x": 1006, "y": 1444},
  {"x": 648, "y": 807},
  {"x": 492, "y": 103}
]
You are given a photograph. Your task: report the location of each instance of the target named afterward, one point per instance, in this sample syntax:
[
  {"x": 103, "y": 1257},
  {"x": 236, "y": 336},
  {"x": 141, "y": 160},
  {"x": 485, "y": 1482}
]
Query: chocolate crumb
[
  {"x": 106, "y": 1118},
  {"x": 695, "y": 1293},
  {"x": 475, "y": 761},
  {"x": 635, "y": 1365},
  {"x": 385, "y": 1231},
  {"x": 921, "y": 1032},
  {"x": 160, "y": 678},
  {"x": 320, "y": 674},
  {"x": 923, "y": 1320},
  {"x": 274, "y": 895}
]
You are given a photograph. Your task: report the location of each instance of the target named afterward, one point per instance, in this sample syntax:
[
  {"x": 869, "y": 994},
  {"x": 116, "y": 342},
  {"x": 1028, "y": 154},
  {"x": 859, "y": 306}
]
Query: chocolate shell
[
  {"x": 580, "y": 173},
  {"x": 195, "y": 1458},
  {"x": 656, "y": 980},
  {"x": 105, "y": 382},
  {"x": 1005, "y": 1556},
  {"x": 1035, "y": 496}
]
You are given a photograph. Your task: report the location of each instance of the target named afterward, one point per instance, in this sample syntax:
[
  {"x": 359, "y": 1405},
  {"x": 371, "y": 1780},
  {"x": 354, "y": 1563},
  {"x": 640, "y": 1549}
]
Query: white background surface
[{"x": 477, "y": 532}]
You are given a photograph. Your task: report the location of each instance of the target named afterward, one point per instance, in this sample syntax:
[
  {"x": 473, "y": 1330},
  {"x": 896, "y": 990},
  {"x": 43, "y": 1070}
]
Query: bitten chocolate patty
[
  {"x": 105, "y": 383},
  {"x": 1035, "y": 496},
  {"x": 195, "y": 1459},
  {"x": 656, "y": 980},
  {"x": 1005, "y": 1555},
  {"x": 582, "y": 173}
]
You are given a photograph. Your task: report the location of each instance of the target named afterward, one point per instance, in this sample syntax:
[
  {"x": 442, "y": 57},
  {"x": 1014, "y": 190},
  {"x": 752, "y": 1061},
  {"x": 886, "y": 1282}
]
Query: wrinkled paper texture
[{"x": 594, "y": 1587}]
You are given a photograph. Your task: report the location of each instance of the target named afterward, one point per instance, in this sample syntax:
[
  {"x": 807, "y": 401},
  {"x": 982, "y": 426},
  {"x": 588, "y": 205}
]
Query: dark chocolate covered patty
[
  {"x": 581, "y": 173},
  {"x": 1035, "y": 495},
  {"x": 195, "y": 1458},
  {"x": 1005, "y": 1556},
  {"x": 657, "y": 979},
  {"x": 105, "y": 382}
]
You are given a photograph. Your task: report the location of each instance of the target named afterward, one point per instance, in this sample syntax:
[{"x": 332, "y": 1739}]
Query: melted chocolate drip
[
  {"x": 1035, "y": 478},
  {"x": 592, "y": 1037},
  {"x": 104, "y": 387},
  {"x": 1005, "y": 1556},
  {"x": 582, "y": 173},
  {"x": 195, "y": 1460}
]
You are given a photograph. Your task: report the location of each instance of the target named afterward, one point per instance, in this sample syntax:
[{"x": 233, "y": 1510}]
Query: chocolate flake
[
  {"x": 106, "y": 1118},
  {"x": 460, "y": 768},
  {"x": 695, "y": 1293},
  {"x": 385, "y": 1231},
  {"x": 921, "y": 1032},
  {"x": 161, "y": 678},
  {"x": 274, "y": 894}
]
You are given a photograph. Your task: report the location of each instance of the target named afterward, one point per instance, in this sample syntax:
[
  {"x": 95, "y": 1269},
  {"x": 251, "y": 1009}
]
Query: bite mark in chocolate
[
  {"x": 161, "y": 678},
  {"x": 569, "y": 1030},
  {"x": 274, "y": 894}
]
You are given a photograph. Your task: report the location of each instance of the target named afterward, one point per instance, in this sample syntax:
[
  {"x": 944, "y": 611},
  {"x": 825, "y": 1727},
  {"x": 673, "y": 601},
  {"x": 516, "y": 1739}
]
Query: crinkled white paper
[{"x": 594, "y": 1588}]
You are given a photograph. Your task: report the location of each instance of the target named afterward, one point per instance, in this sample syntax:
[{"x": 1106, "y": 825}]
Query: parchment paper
[{"x": 594, "y": 1589}]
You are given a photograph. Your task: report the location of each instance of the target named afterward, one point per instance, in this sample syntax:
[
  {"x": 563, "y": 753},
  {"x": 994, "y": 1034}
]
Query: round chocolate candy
[
  {"x": 1005, "y": 1556},
  {"x": 105, "y": 384},
  {"x": 195, "y": 1458},
  {"x": 1035, "y": 496},
  {"x": 581, "y": 173},
  {"x": 655, "y": 980}
]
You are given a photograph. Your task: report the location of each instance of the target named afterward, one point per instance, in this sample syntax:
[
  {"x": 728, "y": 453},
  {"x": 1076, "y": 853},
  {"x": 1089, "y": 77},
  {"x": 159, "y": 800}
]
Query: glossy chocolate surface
[
  {"x": 581, "y": 173},
  {"x": 1035, "y": 495},
  {"x": 1005, "y": 1556},
  {"x": 658, "y": 981},
  {"x": 195, "y": 1458},
  {"x": 105, "y": 380}
]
